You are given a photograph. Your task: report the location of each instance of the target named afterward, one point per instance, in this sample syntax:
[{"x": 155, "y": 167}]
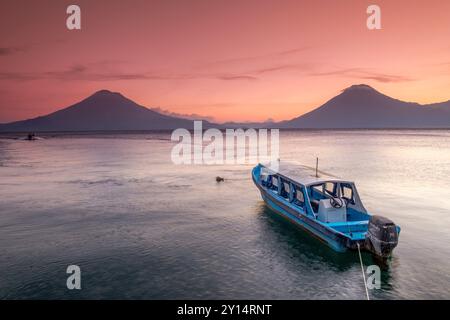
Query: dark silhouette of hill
[
  {"x": 361, "y": 106},
  {"x": 102, "y": 111}
]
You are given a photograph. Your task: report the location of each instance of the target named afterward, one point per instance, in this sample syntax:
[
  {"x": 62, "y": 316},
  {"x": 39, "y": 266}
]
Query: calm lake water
[{"x": 142, "y": 228}]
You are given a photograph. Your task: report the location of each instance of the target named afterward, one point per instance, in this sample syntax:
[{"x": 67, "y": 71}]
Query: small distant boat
[
  {"x": 327, "y": 207},
  {"x": 30, "y": 137}
]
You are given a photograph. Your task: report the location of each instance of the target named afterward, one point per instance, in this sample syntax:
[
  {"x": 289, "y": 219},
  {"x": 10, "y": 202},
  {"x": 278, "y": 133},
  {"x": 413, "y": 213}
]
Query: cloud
[
  {"x": 303, "y": 67},
  {"x": 192, "y": 116},
  {"x": 18, "y": 76},
  {"x": 364, "y": 74},
  {"x": 6, "y": 51},
  {"x": 235, "y": 77},
  {"x": 255, "y": 57},
  {"x": 386, "y": 78},
  {"x": 106, "y": 71},
  {"x": 79, "y": 72}
]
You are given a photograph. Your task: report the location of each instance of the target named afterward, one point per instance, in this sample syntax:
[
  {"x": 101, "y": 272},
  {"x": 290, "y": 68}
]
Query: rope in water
[{"x": 362, "y": 269}]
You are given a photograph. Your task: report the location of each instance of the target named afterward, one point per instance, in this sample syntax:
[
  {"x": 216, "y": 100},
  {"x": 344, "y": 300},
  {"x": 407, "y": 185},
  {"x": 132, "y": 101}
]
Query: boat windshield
[
  {"x": 320, "y": 191},
  {"x": 346, "y": 193}
]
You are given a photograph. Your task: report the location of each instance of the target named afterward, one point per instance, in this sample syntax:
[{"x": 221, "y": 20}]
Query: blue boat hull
[
  {"x": 337, "y": 241},
  {"x": 330, "y": 239}
]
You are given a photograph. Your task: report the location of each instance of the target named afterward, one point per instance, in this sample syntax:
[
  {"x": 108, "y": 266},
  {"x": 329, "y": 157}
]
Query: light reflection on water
[{"x": 140, "y": 227}]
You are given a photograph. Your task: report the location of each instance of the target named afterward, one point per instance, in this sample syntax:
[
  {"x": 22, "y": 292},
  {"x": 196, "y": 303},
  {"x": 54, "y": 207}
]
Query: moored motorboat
[{"x": 328, "y": 207}]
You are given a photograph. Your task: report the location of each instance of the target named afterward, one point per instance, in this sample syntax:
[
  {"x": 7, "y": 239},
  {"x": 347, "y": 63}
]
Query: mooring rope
[{"x": 362, "y": 269}]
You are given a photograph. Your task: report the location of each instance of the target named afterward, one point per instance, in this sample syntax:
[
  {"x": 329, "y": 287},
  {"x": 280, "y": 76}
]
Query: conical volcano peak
[
  {"x": 359, "y": 87},
  {"x": 104, "y": 110},
  {"x": 105, "y": 92},
  {"x": 361, "y": 107},
  {"x": 107, "y": 96}
]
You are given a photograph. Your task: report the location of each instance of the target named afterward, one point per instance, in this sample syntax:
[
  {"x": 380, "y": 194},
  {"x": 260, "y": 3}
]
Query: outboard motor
[{"x": 382, "y": 236}]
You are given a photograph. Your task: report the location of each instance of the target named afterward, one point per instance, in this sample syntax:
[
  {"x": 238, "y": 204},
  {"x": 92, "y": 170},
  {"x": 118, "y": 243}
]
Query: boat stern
[{"x": 382, "y": 236}]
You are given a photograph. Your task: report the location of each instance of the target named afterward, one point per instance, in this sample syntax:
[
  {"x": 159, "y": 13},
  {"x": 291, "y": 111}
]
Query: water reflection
[
  {"x": 306, "y": 249},
  {"x": 300, "y": 243}
]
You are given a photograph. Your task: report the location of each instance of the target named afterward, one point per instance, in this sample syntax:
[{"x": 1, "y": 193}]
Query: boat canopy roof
[{"x": 302, "y": 174}]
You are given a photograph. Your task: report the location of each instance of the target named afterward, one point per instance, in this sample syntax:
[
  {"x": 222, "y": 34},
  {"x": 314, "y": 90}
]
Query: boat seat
[
  {"x": 328, "y": 213},
  {"x": 284, "y": 193},
  {"x": 315, "y": 205}
]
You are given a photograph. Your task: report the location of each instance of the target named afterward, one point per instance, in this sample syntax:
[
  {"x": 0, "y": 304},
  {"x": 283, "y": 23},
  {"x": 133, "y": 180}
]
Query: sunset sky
[{"x": 246, "y": 60}]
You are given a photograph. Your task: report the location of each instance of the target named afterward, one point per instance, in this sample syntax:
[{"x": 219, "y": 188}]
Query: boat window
[
  {"x": 330, "y": 189},
  {"x": 264, "y": 178},
  {"x": 317, "y": 189},
  {"x": 317, "y": 192},
  {"x": 285, "y": 189},
  {"x": 347, "y": 191},
  {"x": 299, "y": 197},
  {"x": 274, "y": 183}
]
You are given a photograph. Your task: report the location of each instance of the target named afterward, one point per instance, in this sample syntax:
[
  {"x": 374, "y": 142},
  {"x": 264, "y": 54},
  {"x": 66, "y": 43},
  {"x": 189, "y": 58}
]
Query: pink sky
[{"x": 227, "y": 59}]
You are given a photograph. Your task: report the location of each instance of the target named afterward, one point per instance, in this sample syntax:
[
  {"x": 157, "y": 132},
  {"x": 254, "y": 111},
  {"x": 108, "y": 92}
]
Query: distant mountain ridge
[
  {"x": 102, "y": 111},
  {"x": 359, "y": 106}
]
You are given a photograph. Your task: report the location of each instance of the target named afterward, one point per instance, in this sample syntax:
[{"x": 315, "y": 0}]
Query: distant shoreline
[{"x": 115, "y": 132}]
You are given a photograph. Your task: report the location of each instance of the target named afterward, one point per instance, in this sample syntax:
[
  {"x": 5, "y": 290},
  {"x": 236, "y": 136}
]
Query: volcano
[
  {"x": 102, "y": 111},
  {"x": 361, "y": 106}
]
